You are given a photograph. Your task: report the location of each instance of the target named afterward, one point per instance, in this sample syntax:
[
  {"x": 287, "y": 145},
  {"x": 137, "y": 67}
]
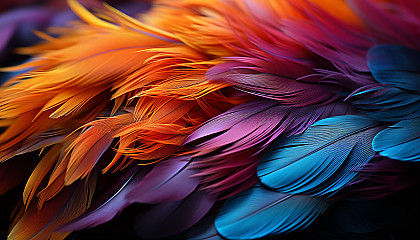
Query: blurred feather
[
  {"x": 166, "y": 219},
  {"x": 69, "y": 204},
  {"x": 387, "y": 104},
  {"x": 204, "y": 229},
  {"x": 395, "y": 65}
]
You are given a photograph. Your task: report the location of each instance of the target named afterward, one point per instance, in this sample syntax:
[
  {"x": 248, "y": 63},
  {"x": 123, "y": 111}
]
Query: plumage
[
  {"x": 387, "y": 104},
  {"x": 258, "y": 212},
  {"x": 246, "y": 130},
  {"x": 321, "y": 160},
  {"x": 110, "y": 203},
  {"x": 395, "y": 65},
  {"x": 69, "y": 204},
  {"x": 284, "y": 90},
  {"x": 235, "y": 119},
  {"x": 399, "y": 141},
  {"x": 168, "y": 181}
]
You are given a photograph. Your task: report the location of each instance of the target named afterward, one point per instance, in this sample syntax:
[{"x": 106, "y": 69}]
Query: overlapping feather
[{"x": 103, "y": 95}]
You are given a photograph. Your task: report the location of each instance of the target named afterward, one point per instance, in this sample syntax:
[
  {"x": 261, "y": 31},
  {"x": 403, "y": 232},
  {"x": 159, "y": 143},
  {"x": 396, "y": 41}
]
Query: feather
[
  {"x": 395, "y": 65},
  {"x": 394, "y": 22},
  {"x": 400, "y": 141},
  {"x": 170, "y": 180},
  {"x": 40, "y": 141},
  {"x": 170, "y": 218},
  {"x": 66, "y": 206},
  {"x": 238, "y": 135},
  {"x": 110, "y": 202},
  {"x": 387, "y": 104},
  {"x": 321, "y": 160},
  {"x": 38, "y": 174},
  {"x": 341, "y": 40},
  {"x": 259, "y": 212},
  {"x": 261, "y": 121},
  {"x": 285, "y": 90},
  {"x": 382, "y": 177},
  {"x": 86, "y": 150}
]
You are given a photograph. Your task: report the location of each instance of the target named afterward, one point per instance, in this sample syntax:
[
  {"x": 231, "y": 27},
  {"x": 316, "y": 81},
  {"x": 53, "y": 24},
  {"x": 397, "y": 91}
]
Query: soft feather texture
[
  {"x": 236, "y": 137},
  {"x": 170, "y": 180},
  {"x": 387, "y": 104},
  {"x": 110, "y": 203},
  {"x": 69, "y": 204},
  {"x": 111, "y": 91},
  {"x": 322, "y": 160},
  {"x": 399, "y": 141},
  {"x": 258, "y": 212}
]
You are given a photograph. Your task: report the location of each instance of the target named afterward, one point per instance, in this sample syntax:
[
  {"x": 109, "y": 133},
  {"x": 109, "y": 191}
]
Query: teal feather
[
  {"x": 400, "y": 141},
  {"x": 259, "y": 212},
  {"x": 322, "y": 160}
]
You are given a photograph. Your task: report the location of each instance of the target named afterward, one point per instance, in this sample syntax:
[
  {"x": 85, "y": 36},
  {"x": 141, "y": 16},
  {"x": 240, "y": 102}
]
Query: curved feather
[
  {"x": 66, "y": 206},
  {"x": 400, "y": 141},
  {"x": 258, "y": 212},
  {"x": 237, "y": 136},
  {"x": 110, "y": 202},
  {"x": 87, "y": 148},
  {"x": 395, "y": 65},
  {"x": 170, "y": 180},
  {"x": 287, "y": 91},
  {"x": 387, "y": 104},
  {"x": 322, "y": 159}
]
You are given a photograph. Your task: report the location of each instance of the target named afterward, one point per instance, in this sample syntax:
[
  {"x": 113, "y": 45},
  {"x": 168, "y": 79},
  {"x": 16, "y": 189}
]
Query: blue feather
[
  {"x": 321, "y": 160},
  {"x": 258, "y": 212},
  {"x": 389, "y": 105},
  {"x": 400, "y": 141},
  {"x": 395, "y": 65}
]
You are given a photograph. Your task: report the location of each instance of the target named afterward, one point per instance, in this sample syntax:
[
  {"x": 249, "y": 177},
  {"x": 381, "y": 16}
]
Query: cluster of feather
[{"x": 271, "y": 109}]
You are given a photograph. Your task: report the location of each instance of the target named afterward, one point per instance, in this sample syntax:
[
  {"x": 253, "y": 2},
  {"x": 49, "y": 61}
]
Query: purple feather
[
  {"x": 110, "y": 203},
  {"x": 261, "y": 121},
  {"x": 170, "y": 180},
  {"x": 287, "y": 91},
  {"x": 237, "y": 136}
]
